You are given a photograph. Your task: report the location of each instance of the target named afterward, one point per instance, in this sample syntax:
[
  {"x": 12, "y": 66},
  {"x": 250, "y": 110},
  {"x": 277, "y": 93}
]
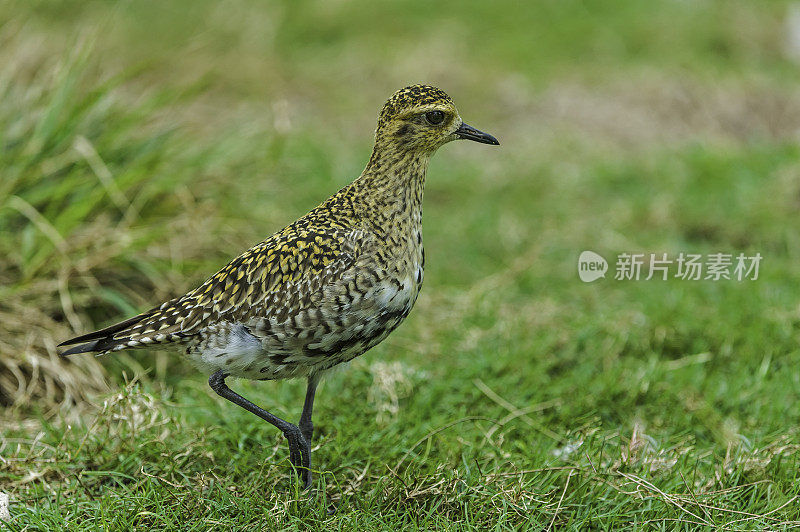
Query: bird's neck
[{"x": 389, "y": 190}]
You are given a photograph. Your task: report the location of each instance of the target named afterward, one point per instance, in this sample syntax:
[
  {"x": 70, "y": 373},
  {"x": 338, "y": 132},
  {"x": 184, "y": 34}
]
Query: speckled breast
[{"x": 370, "y": 307}]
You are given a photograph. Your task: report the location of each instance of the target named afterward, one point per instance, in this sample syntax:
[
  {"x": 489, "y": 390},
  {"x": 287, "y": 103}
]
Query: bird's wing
[{"x": 286, "y": 270}]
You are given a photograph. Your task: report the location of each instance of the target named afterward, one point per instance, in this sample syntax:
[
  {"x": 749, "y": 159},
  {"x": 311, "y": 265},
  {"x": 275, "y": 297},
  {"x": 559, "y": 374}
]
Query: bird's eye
[{"x": 434, "y": 117}]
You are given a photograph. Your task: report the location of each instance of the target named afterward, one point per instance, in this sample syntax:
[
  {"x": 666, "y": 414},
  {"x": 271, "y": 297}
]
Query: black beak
[{"x": 470, "y": 133}]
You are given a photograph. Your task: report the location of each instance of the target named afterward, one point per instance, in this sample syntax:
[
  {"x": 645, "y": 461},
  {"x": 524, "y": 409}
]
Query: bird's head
[{"x": 421, "y": 118}]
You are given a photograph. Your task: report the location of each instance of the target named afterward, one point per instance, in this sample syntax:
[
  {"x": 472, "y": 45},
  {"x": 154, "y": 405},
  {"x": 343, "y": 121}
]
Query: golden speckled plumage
[{"x": 326, "y": 288}]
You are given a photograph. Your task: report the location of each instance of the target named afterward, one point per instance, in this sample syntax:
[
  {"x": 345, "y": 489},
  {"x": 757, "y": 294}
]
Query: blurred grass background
[{"x": 143, "y": 144}]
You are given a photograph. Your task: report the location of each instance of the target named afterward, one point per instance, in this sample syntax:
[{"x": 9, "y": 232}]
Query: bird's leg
[
  {"x": 299, "y": 450},
  {"x": 306, "y": 426}
]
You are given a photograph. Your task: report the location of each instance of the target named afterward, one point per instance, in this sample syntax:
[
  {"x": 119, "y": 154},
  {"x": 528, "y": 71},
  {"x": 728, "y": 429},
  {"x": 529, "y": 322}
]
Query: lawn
[{"x": 144, "y": 144}]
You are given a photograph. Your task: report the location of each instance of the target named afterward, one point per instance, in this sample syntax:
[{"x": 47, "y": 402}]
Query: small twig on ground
[
  {"x": 558, "y": 508},
  {"x": 517, "y": 412},
  {"x": 688, "y": 487},
  {"x": 667, "y": 497},
  {"x": 437, "y": 431}
]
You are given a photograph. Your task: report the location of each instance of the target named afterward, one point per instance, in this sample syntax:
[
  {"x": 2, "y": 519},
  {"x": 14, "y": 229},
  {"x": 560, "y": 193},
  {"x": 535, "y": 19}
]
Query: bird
[{"x": 321, "y": 291}]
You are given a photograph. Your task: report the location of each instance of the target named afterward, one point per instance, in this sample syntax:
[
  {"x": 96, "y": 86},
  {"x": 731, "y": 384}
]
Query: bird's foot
[{"x": 300, "y": 455}]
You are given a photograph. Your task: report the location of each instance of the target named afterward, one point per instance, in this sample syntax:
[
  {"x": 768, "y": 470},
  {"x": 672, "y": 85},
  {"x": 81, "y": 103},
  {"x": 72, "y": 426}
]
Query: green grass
[{"x": 143, "y": 144}]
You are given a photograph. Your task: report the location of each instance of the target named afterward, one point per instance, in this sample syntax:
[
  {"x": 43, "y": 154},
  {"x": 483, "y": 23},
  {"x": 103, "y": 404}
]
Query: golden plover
[{"x": 321, "y": 291}]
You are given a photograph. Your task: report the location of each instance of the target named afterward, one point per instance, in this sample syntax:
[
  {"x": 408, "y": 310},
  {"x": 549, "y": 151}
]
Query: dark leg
[
  {"x": 306, "y": 426},
  {"x": 299, "y": 450}
]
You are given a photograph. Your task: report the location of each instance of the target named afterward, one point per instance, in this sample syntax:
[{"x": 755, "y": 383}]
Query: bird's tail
[
  {"x": 158, "y": 325},
  {"x": 102, "y": 341}
]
